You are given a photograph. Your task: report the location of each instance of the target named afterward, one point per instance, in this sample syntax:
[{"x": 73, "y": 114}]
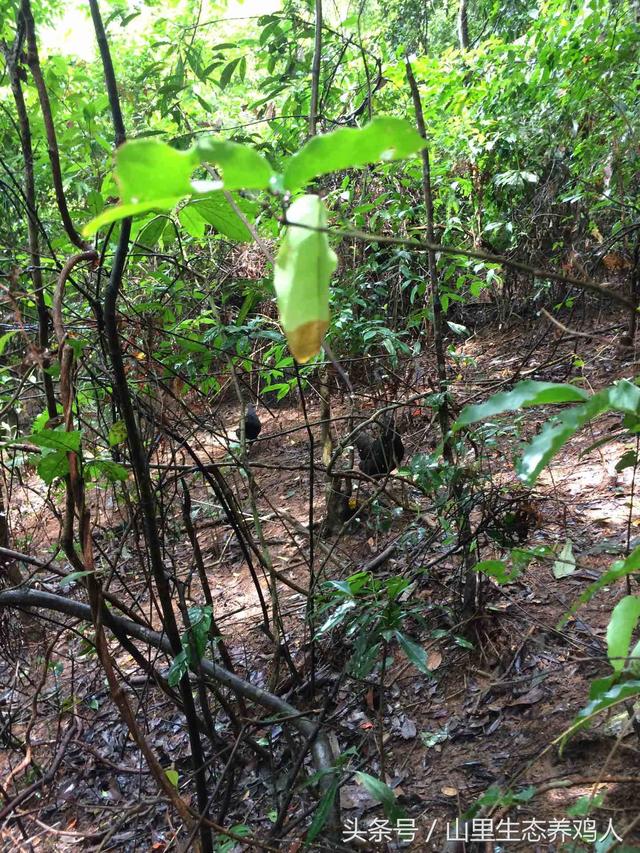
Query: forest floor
[{"x": 501, "y": 690}]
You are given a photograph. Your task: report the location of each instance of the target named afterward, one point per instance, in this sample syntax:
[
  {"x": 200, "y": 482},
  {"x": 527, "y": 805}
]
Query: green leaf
[
  {"x": 633, "y": 661},
  {"x": 39, "y": 423},
  {"x": 72, "y": 577},
  {"x": 337, "y": 616},
  {"x": 152, "y": 175},
  {"x": 565, "y": 565},
  {"x": 151, "y": 233},
  {"x": 303, "y": 268},
  {"x": 498, "y": 570},
  {"x": 53, "y": 465},
  {"x": 618, "y": 693},
  {"x": 622, "y": 623},
  {"x": 227, "y": 73},
  {"x": 147, "y": 169},
  {"x": 95, "y": 202},
  {"x": 172, "y": 776},
  {"x": 384, "y": 138},
  {"x": 413, "y": 651},
  {"x": 117, "y": 433},
  {"x": 618, "y": 570},
  {"x": 553, "y": 437},
  {"x": 623, "y": 397},
  {"x": 4, "y": 339},
  {"x": 241, "y": 167},
  {"x": 200, "y": 619},
  {"x": 96, "y": 469},
  {"x": 583, "y": 806},
  {"x": 322, "y": 813},
  {"x": 57, "y": 439},
  {"x": 215, "y": 210},
  {"x": 381, "y": 792},
  {"x": 178, "y": 668},
  {"x": 121, "y": 211},
  {"x": 342, "y": 586},
  {"x": 629, "y": 459},
  {"x": 528, "y": 393},
  {"x": 192, "y": 222}
]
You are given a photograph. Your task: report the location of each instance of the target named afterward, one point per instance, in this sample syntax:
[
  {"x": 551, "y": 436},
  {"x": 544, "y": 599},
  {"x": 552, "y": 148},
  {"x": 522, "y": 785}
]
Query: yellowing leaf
[
  {"x": 172, "y": 776},
  {"x": 303, "y": 268}
]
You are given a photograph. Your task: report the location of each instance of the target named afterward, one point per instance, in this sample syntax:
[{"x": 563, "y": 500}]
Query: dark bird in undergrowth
[
  {"x": 252, "y": 425},
  {"x": 380, "y": 455}
]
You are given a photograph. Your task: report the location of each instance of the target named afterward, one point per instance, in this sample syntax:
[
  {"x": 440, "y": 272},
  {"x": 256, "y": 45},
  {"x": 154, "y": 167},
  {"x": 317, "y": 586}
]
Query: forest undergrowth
[{"x": 499, "y": 691}]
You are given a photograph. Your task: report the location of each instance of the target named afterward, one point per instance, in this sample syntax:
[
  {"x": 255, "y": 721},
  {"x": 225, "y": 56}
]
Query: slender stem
[
  {"x": 33, "y": 61},
  {"x": 315, "y": 71},
  {"x": 32, "y": 223},
  {"x": 138, "y": 456}
]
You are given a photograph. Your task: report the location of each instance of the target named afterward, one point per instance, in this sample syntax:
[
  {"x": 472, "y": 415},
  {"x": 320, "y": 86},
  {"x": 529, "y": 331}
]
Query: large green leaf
[
  {"x": 151, "y": 232},
  {"x": 620, "y": 630},
  {"x": 215, "y": 210},
  {"x": 384, "y": 138},
  {"x": 178, "y": 668},
  {"x": 303, "y": 268},
  {"x": 57, "y": 439},
  {"x": 53, "y": 465},
  {"x": 152, "y": 175},
  {"x": 97, "y": 469},
  {"x": 192, "y": 222},
  {"x": 338, "y": 616},
  {"x": 242, "y": 168},
  {"x": 623, "y": 397},
  {"x": 528, "y": 393},
  {"x": 147, "y": 169},
  {"x": 413, "y": 651},
  {"x": 200, "y": 619},
  {"x": 121, "y": 211},
  {"x": 498, "y": 570}
]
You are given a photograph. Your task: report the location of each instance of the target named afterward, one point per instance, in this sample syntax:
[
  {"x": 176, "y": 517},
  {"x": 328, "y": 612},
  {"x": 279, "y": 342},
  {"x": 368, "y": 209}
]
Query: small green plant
[
  {"x": 194, "y": 643},
  {"x": 374, "y": 613}
]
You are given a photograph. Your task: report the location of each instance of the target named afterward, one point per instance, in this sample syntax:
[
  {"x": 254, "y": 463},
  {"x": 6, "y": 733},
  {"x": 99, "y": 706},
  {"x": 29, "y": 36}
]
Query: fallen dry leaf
[{"x": 434, "y": 659}]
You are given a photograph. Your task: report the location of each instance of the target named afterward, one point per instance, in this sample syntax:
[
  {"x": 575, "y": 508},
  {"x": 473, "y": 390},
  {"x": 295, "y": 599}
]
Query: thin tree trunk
[
  {"x": 315, "y": 71},
  {"x": 10, "y": 574},
  {"x": 32, "y": 223},
  {"x": 436, "y": 307},
  {"x": 138, "y": 456},
  {"x": 457, "y": 489},
  {"x": 33, "y": 62},
  {"x": 463, "y": 25}
]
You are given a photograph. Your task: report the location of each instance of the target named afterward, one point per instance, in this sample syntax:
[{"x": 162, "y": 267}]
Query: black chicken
[
  {"x": 379, "y": 456},
  {"x": 252, "y": 424}
]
